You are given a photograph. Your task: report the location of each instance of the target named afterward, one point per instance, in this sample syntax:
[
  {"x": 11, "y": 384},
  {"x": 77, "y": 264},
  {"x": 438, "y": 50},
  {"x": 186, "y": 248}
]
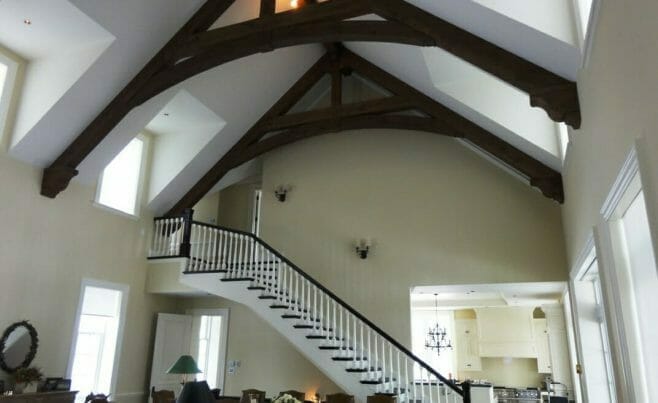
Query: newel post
[
  {"x": 185, "y": 246},
  {"x": 466, "y": 387}
]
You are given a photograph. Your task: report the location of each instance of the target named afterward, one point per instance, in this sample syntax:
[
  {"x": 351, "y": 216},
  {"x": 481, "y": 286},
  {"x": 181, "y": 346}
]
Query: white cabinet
[
  {"x": 466, "y": 340},
  {"x": 506, "y": 332},
  {"x": 542, "y": 346},
  {"x": 557, "y": 340}
]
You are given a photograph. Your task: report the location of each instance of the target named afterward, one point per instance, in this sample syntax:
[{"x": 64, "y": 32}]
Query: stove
[{"x": 513, "y": 395}]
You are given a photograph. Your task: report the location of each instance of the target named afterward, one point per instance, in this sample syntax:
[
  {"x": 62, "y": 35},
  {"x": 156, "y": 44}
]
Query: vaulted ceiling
[{"x": 108, "y": 70}]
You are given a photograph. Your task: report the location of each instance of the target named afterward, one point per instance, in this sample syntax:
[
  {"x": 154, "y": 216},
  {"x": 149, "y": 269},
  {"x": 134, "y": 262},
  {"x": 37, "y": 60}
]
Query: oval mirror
[{"x": 18, "y": 346}]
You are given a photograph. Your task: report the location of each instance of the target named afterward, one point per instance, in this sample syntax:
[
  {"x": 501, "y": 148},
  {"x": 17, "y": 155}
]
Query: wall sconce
[
  {"x": 281, "y": 191},
  {"x": 363, "y": 247}
]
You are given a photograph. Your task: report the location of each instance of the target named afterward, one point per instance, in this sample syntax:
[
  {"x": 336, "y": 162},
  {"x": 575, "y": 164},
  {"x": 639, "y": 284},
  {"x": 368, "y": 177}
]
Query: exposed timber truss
[
  {"x": 195, "y": 49},
  {"x": 277, "y": 127}
]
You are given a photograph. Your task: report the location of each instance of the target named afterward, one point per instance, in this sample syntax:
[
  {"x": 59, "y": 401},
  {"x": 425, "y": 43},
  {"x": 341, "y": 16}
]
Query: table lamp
[{"x": 185, "y": 365}]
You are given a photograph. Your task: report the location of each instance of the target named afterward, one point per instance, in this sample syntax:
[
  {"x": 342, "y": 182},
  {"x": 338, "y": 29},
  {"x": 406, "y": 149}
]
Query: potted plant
[{"x": 27, "y": 379}]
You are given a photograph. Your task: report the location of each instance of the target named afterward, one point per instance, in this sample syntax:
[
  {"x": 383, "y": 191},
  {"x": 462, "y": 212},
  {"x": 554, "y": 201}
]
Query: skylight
[{"x": 119, "y": 183}]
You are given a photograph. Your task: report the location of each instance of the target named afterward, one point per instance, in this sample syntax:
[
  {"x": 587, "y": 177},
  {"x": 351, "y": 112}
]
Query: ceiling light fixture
[
  {"x": 27, "y": 21},
  {"x": 437, "y": 336},
  {"x": 294, "y": 3},
  {"x": 166, "y": 114}
]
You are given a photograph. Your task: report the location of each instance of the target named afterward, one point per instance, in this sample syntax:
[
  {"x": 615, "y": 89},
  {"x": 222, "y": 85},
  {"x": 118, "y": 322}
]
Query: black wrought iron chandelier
[{"x": 437, "y": 336}]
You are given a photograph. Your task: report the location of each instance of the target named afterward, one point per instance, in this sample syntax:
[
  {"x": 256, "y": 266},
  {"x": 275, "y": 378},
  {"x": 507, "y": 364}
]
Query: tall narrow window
[
  {"x": 119, "y": 183},
  {"x": 92, "y": 367},
  {"x": 3, "y": 76},
  {"x": 208, "y": 350},
  {"x": 641, "y": 297},
  {"x": 594, "y": 341}
]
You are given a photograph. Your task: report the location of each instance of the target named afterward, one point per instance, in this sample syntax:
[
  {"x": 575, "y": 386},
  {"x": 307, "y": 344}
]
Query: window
[
  {"x": 3, "y": 76},
  {"x": 210, "y": 332},
  {"x": 208, "y": 350},
  {"x": 632, "y": 237},
  {"x": 594, "y": 344},
  {"x": 97, "y": 336},
  {"x": 120, "y": 180},
  {"x": 8, "y": 73}
]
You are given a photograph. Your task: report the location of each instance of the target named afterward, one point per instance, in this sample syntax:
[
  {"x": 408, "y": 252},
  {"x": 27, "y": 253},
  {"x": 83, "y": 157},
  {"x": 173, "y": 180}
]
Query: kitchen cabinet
[
  {"x": 542, "y": 345},
  {"x": 506, "y": 332},
  {"x": 557, "y": 340},
  {"x": 468, "y": 352}
]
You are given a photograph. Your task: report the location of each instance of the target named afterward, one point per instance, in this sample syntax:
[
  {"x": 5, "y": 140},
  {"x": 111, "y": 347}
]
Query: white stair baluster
[
  {"x": 362, "y": 351},
  {"x": 231, "y": 256},
  {"x": 315, "y": 305},
  {"x": 398, "y": 373},
  {"x": 155, "y": 242},
  {"x": 390, "y": 361},
  {"x": 376, "y": 362},
  {"x": 370, "y": 361}
]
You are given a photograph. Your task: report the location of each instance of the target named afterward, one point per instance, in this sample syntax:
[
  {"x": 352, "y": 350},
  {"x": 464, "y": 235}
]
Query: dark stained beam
[
  {"x": 370, "y": 107},
  {"x": 556, "y": 95},
  {"x": 58, "y": 175},
  {"x": 267, "y": 7},
  {"x": 336, "y": 87},
  {"x": 268, "y": 39},
  {"x": 194, "y": 49},
  {"x": 375, "y": 114}
]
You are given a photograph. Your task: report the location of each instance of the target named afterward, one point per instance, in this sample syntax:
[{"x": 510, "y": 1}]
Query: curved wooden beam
[
  {"x": 194, "y": 50},
  {"x": 264, "y": 39}
]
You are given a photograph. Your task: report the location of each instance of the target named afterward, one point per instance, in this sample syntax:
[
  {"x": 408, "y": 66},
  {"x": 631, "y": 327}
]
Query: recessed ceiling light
[
  {"x": 294, "y": 3},
  {"x": 27, "y": 21}
]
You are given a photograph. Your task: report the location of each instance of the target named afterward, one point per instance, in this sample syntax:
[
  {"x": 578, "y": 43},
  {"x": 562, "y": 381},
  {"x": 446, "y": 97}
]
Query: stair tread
[{"x": 237, "y": 279}]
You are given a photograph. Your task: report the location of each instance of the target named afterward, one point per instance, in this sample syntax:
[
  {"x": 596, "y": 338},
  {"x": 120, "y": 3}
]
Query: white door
[{"x": 172, "y": 339}]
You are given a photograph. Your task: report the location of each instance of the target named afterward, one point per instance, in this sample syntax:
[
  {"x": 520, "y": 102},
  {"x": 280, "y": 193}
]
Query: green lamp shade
[{"x": 184, "y": 365}]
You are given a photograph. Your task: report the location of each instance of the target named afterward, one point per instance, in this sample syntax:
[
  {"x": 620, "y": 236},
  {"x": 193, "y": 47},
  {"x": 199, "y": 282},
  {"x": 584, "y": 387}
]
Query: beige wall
[
  {"x": 618, "y": 98},
  {"x": 268, "y": 361},
  {"x": 438, "y": 214},
  {"x": 235, "y": 205},
  {"x": 47, "y": 247},
  {"x": 206, "y": 210}
]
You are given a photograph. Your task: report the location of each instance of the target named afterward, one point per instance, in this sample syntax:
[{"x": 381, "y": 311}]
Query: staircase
[{"x": 352, "y": 351}]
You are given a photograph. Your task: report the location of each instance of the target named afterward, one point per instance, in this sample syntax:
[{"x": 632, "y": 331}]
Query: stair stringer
[{"x": 237, "y": 291}]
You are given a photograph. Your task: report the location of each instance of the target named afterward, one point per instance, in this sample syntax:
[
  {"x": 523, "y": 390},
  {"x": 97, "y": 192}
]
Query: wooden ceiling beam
[
  {"x": 370, "y": 107},
  {"x": 259, "y": 41},
  {"x": 194, "y": 49},
  {"x": 58, "y": 175},
  {"x": 556, "y": 95}
]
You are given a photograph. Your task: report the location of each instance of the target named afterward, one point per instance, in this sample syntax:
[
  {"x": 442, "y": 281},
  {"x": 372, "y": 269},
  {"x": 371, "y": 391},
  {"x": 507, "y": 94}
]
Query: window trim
[
  {"x": 125, "y": 290},
  {"x": 141, "y": 181},
  {"x": 8, "y": 93}
]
